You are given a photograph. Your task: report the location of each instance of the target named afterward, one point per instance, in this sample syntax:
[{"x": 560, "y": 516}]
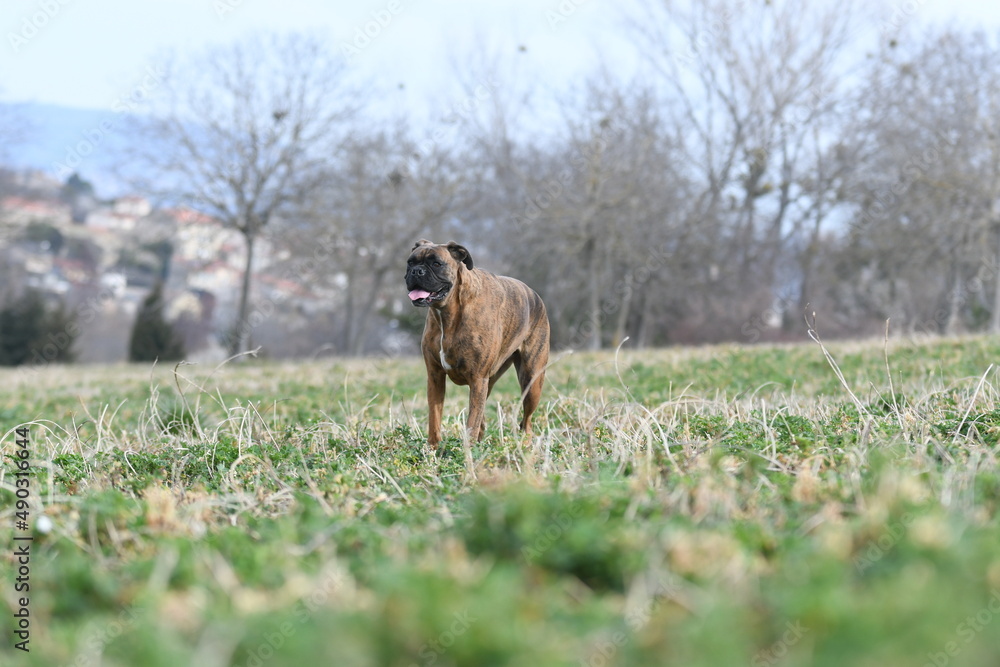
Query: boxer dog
[{"x": 478, "y": 324}]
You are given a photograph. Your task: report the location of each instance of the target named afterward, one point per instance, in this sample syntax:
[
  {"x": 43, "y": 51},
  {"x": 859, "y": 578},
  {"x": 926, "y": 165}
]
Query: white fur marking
[{"x": 444, "y": 362}]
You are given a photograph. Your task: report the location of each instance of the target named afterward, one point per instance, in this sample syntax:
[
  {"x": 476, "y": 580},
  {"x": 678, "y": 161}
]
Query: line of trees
[
  {"x": 37, "y": 331},
  {"x": 770, "y": 159}
]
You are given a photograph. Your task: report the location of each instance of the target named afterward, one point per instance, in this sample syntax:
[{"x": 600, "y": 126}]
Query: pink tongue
[{"x": 418, "y": 294}]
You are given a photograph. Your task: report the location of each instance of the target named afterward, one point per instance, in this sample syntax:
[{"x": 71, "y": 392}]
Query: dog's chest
[
  {"x": 457, "y": 351},
  {"x": 442, "y": 355}
]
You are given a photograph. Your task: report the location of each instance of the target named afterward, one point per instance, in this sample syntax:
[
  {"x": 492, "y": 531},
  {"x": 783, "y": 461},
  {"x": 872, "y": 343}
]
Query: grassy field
[{"x": 714, "y": 506}]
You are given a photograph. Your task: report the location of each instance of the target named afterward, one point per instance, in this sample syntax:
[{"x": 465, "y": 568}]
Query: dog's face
[{"x": 432, "y": 271}]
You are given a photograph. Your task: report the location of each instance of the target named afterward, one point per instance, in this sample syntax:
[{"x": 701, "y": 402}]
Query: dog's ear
[
  {"x": 460, "y": 253},
  {"x": 420, "y": 243}
]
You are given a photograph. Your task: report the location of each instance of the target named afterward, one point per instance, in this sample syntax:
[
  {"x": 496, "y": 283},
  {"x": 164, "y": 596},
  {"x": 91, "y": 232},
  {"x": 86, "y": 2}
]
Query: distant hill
[{"x": 61, "y": 140}]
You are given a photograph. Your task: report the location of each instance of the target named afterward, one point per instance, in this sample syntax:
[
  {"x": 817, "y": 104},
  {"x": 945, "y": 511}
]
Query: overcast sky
[{"x": 88, "y": 53}]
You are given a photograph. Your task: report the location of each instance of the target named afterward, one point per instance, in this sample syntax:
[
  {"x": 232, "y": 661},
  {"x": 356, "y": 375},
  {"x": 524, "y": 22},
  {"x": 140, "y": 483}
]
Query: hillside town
[{"x": 62, "y": 240}]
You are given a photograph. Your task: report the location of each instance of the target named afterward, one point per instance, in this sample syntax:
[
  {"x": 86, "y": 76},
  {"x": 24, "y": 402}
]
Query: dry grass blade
[
  {"x": 814, "y": 335},
  {"x": 972, "y": 402}
]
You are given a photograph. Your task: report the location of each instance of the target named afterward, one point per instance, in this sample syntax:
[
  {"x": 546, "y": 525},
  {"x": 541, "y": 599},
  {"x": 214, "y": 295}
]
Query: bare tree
[
  {"x": 578, "y": 210},
  {"x": 243, "y": 132},
  {"x": 609, "y": 203},
  {"x": 925, "y": 188},
  {"x": 751, "y": 90},
  {"x": 384, "y": 192}
]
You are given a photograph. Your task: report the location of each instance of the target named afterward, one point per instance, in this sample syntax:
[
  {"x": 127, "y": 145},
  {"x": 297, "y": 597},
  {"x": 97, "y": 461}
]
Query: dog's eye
[{"x": 438, "y": 263}]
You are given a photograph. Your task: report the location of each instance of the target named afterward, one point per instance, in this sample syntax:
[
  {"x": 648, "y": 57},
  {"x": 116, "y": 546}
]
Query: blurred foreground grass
[{"x": 711, "y": 506}]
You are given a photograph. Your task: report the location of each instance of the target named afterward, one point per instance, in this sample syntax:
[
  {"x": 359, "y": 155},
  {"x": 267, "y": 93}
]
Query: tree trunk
[
  {"x": 624, "y": 308},
  {"x": 645, "y": 320},
  {"x": 595, "y": 314},
  {"x": 594, "y": 289},
  {"x": 242, "y": 335},
  {"x": 348, "y": 313},
  {"x": 806, "y": 266},
  {"x": 995, "y": 315},
  {"x": 955, "y": 299},
  {"x": 360, "y": 329},
  {"x": 807, "y": 263}
]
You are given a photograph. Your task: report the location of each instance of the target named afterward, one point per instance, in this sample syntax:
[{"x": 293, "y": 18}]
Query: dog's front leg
[
  {"x": 479, "y": 389},
  {"x": 435, "y": 405}
]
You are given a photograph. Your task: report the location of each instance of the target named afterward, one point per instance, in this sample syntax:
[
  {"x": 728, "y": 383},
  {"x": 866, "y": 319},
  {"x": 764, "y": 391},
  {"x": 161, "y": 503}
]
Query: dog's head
[{"x": 433, "y": 270}]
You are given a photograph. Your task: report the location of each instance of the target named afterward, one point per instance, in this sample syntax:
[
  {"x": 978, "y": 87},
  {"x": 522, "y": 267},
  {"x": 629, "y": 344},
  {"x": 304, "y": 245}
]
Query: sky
[
  {"x": 89, "y": 53},
  {"x": 95, "y": 53},
  {"x": 412, "y": 54}
]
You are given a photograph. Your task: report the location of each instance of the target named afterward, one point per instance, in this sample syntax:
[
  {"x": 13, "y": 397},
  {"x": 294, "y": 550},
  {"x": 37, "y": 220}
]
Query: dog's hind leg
[{"x": 530, "y": 364}]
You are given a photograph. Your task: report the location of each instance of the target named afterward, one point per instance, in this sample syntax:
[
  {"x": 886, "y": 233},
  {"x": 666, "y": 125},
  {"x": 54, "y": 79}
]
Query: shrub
[
  {"x": 30, "y": 330},
  {"x": 153, "y": 338}
]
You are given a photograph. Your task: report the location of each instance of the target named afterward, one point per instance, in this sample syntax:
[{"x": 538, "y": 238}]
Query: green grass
[{"x": 709, "y": 506}]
